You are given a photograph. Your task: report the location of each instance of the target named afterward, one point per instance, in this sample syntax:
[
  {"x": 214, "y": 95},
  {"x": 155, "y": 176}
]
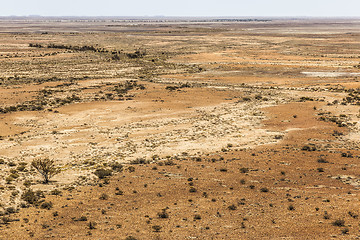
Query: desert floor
[{"x": 207, "y": 129}]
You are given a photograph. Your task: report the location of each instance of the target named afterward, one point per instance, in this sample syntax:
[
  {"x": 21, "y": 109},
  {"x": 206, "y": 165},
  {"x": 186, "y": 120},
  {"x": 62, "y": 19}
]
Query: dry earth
[{"x": 210, "y": 129}]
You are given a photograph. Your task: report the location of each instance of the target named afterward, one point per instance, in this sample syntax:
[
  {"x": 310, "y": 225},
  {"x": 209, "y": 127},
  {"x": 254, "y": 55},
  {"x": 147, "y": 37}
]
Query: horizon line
[{"x": 165, "y": 16}]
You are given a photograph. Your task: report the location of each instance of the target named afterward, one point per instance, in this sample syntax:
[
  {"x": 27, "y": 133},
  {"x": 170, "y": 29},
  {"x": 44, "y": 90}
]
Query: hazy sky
[{"x": 180, "y": 7}]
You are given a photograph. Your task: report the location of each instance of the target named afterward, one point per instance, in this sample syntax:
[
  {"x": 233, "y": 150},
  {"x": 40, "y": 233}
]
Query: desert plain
[{"x": 180, "y": 128}]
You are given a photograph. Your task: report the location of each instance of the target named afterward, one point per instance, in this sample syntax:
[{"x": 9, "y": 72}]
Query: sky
[{"x": 273, "y": 8}]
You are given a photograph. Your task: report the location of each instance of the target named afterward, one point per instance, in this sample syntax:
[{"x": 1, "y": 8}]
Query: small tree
[{"x": 46, "y": 168}]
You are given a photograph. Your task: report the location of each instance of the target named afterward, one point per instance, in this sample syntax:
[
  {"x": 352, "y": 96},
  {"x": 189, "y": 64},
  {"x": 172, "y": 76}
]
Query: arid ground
[{"x": 180, "y": 128}]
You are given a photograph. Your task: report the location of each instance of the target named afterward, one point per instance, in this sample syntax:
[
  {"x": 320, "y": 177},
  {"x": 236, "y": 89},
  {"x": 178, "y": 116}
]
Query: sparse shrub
[
  {"x": 264, "y": 189},
  {"x": 197, "y": 217},
  {"x": 155, "y": 157},
  {"x": 46, "y": 205},
  {"x": 278, "y": 137},
  {"x": 9, "y": 180},
  {"x": 309, "y": 148},
  {"x": 156, "y": 228},
  {"x": 103, "y": 173},
  {"x": 163, "y": 214},
  {"x": 103, "y": 196},
  {"x": 322, "y": 160},
  {"x": 14, "y": 175},
  {"x": 30, "y": 197},
  {"x": 169, "y": 162},
  {"x": 24, "y": 205},
  {"x": 171, "y": 88},
  {"x": 117, "y": 167},
  {"x": 197, "y": 159},
  {"x": 119, "y": 192},
  {"x": 353, "y": 215},
  {"x": 139, "y": 161},
  {"x": 131, "y": 169},
  {"x": 92, "y": 225},
  {"x": 337, "y": 133},
  {"x": 258, "y": 97},
  {"x": 21, "y": 168},
  {"x": 339, "y": 223},
  {"x": 232, "y": 207},
  {"x": 55, "y": 192},
  {"x": 10, "y": 210},
  {"x": 291, "y": 208},
  {"x": 130, "y": 238},
  {"x": 11, "y": 164},
  {"x": 347, "y": 155},
  {"x": 304, "y": 99},
  {"x": 244, "y": 170},
  {"x": 83, "y": 219},
  {"x": 5, "y": 220},
  {"x": 192, "y": 190}
]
